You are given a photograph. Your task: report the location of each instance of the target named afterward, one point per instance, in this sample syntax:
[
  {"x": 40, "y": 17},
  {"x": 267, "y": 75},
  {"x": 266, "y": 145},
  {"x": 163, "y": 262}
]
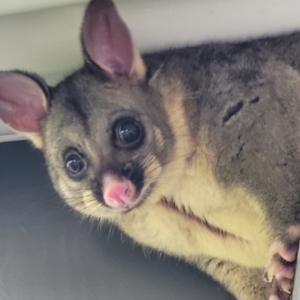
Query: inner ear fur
[{"x": 107, "y": 42}]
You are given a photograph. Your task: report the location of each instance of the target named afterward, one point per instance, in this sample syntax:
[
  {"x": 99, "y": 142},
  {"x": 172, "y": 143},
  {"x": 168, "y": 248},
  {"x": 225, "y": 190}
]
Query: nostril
[{"x": 127, "y": 192}]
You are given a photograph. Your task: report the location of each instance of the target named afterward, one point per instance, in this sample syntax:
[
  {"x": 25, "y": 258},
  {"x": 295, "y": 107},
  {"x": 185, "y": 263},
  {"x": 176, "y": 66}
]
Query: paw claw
[
  {"x": 277, "y": 293},
  {"x": 280, "y": 270},
  {"x": 265, "y": 276},
  {"x": 285, "y": 284}
]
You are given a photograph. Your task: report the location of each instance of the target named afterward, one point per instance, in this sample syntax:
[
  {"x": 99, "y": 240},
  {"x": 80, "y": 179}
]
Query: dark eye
[
  {"x": 128, "y": 133},
  {"x": 75, "y": 164}
]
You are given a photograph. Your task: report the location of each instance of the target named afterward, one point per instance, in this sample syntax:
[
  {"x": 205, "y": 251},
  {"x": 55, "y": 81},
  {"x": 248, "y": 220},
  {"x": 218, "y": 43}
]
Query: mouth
[{"x": 143, "y": 196}]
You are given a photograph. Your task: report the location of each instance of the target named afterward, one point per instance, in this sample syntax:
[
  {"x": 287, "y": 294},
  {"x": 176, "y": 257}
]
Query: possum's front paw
[
  {"x": 282, "y": 267},
  {"x": 277, "y": 293}
]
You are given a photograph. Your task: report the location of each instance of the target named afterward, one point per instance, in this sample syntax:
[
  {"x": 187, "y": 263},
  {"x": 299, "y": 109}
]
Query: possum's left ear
[
  {"x": 23, "y": 103},
  {"x": 107, "y": 42}
]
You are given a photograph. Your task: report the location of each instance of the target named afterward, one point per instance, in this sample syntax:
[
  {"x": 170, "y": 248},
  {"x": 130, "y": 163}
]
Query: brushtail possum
[{"x": 194, "y": 152}]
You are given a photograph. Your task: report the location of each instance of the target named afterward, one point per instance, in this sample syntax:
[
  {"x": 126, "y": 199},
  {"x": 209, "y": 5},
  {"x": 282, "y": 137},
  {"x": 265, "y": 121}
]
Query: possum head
[{"x": 104, "y": 130}]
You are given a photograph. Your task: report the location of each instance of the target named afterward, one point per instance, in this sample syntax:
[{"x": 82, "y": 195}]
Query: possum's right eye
[
  {"x": 75, "y": 163},
  {"x": 128, "y": 133}
]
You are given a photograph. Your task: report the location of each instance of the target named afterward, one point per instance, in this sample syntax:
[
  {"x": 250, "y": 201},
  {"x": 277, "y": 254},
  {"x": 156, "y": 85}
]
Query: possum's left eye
[
  {"x": 128, "y": 133},
  {"x": 75, "y": 164}
]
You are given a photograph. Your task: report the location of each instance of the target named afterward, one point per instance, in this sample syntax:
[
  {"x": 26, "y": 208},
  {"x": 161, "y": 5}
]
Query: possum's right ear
[
  {"x": 107, "y": 42},
  {"x": 23, "y": 103}
]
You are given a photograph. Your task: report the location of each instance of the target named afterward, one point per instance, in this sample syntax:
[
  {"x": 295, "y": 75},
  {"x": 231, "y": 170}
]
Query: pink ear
[
  {"x": 22, "y": 102},
  {"x": 108, "y": 42}
]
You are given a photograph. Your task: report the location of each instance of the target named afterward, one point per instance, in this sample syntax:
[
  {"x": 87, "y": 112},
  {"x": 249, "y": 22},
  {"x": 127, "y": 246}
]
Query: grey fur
[{"x": 258, "y": 145}]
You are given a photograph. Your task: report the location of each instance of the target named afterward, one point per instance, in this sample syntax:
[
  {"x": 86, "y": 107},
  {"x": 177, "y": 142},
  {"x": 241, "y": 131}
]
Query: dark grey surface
[{"x": 46, "y": 252}]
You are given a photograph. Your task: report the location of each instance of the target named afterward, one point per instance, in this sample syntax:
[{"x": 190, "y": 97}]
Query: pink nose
[{"x": 118, "y": 192}]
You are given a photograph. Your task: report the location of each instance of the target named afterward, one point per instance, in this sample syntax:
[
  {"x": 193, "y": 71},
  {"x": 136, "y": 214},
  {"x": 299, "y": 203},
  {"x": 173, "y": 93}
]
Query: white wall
[{"x": 46, "y": 41}]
